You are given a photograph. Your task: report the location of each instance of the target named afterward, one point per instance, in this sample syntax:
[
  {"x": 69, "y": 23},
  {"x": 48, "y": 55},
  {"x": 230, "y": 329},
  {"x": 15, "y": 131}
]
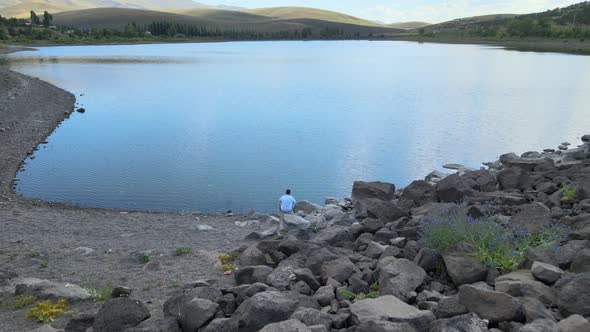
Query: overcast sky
[{"x": 390, "y": 11}]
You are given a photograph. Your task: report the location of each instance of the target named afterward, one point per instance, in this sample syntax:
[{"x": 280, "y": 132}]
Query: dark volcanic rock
[
  {"x": 574, "y": 294},
  {"x": 252, "y": 274},
  {"x": 495, "y": 306},
  {"x": 468, "y": 322},
  {"x": 532, "y": 217},
  {"x": 264, "y": 308},
  {"x": 380, "y": 190},
  {"x": 419, "y": 192},
  {"x": 454, "y": 188},
  {"x": 120, "y": 314}
]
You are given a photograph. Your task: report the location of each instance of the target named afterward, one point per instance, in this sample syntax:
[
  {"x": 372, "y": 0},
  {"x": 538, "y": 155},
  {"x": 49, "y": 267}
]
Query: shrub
[
  {"x": 183, "y": 251},
  {"x": 569, "y": 193},
  {"x": 144, "y": 259},
  {"x": 227, "y": 261},
  {"x": 500, "y": 246},
  {"x": 98, "y": 294},
  {"x": 22, "y": 301},
  {"x": 46, "y": 311}
]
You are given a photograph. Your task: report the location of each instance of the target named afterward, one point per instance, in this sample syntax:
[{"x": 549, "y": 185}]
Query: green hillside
[
  {"x": 408, "y": 25},
  {"x": 311, "y": 13}
]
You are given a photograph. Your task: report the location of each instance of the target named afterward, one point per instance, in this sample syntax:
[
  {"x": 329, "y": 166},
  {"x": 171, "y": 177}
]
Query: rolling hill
[
  {"x": 408, "y": 25},
  {"x": 22, "y": 8},
  {"x": 118, "y": 18},
  {"x": 311, "y": 13}
]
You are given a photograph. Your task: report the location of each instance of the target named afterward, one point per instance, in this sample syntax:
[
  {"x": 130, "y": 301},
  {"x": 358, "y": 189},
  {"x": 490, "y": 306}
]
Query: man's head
[{"x": 288, "y": 192}]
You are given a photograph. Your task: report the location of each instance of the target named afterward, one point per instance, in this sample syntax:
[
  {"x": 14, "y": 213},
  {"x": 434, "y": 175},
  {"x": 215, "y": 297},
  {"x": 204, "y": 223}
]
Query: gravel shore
[{"x": 91, "y": 247}]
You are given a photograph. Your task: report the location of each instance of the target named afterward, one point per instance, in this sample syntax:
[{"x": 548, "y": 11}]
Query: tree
[
  {"x": 47, "y": 18},
  {"x": 34, "y": 18},
  {"x": 421, "y": 31}
]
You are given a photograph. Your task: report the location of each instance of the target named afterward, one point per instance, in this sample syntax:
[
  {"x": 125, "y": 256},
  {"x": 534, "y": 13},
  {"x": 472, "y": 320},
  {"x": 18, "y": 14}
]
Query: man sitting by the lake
[{"x": 286, "y": 205}]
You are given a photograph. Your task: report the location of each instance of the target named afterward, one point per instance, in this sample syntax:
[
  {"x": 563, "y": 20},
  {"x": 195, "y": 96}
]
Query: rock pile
[{"x": 360, "y": 264}]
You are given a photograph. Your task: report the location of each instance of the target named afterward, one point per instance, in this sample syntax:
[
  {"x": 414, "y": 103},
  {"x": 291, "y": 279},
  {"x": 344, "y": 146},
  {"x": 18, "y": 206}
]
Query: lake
[{"x": 212, "y": 127}]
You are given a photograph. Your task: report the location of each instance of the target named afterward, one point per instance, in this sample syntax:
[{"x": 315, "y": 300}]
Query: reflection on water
[{"x": 212, "y": 127}]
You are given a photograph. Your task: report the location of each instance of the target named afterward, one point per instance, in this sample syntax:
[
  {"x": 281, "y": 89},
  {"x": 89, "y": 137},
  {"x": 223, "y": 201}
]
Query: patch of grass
[
  {"x": 568, "y": 193},
  {"x": 4, "y": 61},
  {"x": 144, "y": 259},
  {"x": 373, "y": 294},
  {"x": 495, "y": 245},
  {"x": 227, "y": 261},
  {"x": 22, "y": 301},
  {"x": 34, "y": 253},
  {"x": 99, "y": 294},
  {"x": 47, "y": 311},
  {"x": 183, "y": 251},
  {"x": 44, "y": 264}
]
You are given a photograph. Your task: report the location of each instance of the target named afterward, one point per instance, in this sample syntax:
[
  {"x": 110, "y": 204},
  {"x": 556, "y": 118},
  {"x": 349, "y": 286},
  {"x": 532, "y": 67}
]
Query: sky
[{"x": 390, "y": 11}]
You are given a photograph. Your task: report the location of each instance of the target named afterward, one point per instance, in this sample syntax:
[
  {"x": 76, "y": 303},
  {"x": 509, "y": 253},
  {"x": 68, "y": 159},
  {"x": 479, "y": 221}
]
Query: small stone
[
  {"x": 546, "y": 273},
  {"x": 204, "y": 228},
  {"x": 121, "y": 291}
]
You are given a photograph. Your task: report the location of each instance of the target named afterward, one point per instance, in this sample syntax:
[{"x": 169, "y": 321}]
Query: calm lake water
[{"x": 218, "y": 126}]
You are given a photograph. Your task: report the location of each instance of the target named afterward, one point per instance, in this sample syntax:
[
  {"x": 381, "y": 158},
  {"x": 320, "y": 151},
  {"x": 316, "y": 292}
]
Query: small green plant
[
  {"x": 4, "y": 61},
  {"x": 569, "y": 193},
  {"x": 47, "y": 311},
  {"x": 227, "y": 261},
  {"x": 21, "y": 301},
  {"x": 44, "y": 264},
  {"x": 501, "y": 246},
  {"x": 34, "y": 253},
  {"x": 144, "y": 259},
  {"x": 183, "y": 251},
  {"x": 373, "y": 294},
  {"x": 99, "y": 294}
]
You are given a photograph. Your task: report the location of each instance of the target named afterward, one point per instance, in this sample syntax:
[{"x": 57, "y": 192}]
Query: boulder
[
  {"x": 392, "y": 309},
  {"x": 468, "y": 323},
  {"x": 574, "y": 323},
  {"x": 302, "y": 288},
  {"x": 374, "y": 250},
  {"x": 380, "y": 190},
  {"x": 484, "y": 180},
  {"x": 522, "y": 283},
  {"x": 546, "y": 273},
  {"x": 280, "y": 277},
  {"x": 306, "y": 207},
  {"x": 80, "y": 323},
  {"x": 533, "y": 309},
  {"x": 221, "y": 325},
  {"x": 252, "y": 274},
  {"x": 574, "y": 294},
  {"x": 372, "y": 225},
  {"x": 335, "y": 234},
  {"x": 514, "y": 178},
  {"x": 462, "y": 268},
  {"x": 400, "y": 277},
  {"x": 384, "y": 326},
  {"x": 540, "y": 325},
  {"x": 49, "y": 290},
  {"x": 384, "y": 210},
  {"x": 119, "y": 314},
  {"x": 449, "y": 306},
  {"x": 532, "y": 217},
  {"x": 263, "y": 309},
  {"x": 311, "y": 317},
  {"x": 428, "y": 260},
  {"x": 581, "y": 262},
  {"x": 454, "y": 188},
  {"x": 291, "y": 325},
  {"x": 168, "y": 324},
  {"x": 306, "y": 275},
  {"x": 419, "y": 192},
  {"x": 196, "y": 313},
  {"x": 294, "y": 222},
  {"x": 173, "y": 306},
  {"x": 252, "y": 256},
  {"x": 491, "y": 305},
  {"x": 339, "y": 269}
]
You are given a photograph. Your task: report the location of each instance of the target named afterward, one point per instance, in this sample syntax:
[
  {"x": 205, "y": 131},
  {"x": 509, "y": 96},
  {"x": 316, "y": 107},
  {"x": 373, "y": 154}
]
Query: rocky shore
[{"x": 502, "y": 248}]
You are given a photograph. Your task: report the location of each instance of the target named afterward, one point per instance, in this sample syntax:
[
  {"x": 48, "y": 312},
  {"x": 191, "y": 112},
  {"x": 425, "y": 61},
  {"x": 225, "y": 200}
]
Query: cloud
[{"x": 448, "y": 10}]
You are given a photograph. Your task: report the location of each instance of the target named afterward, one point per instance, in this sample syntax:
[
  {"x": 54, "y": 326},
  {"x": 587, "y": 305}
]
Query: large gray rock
[
  {"x": 454, "y": 188},
  {"x": 220, "y": 325},
  {"x": 491, "y": 305},
  {"x": 264, "y": 308},
  {"x": 291, "y": 325},
  {"x": 252, "y": 256},
  {"x": 574, "y": 294},
  {"x": 306, "y": 275},
  {"x": 532, "y": 217},
  {"x": 49, "y": 290},
  {"x": 581, "y": 262},
  {"x": 252, "y": 274},
  {"x": 534, "y": 309},
  {"x": 306, "y": 207},
  {"x": 120, "y": 314},
  {"x": 540, "y": 325},
  {"x": 335, "y": 234},
  {"x": 463, "y": 268},
  {"x": 173, "y": 306},
  {"x": 464, "y": 323},
  {"x": 546, "y": 273},
  {"x": 514, "y": 178},
  {"x": 280, "y": 277},
  {"x": 294, "y": 222},
  {"x": 400, "y": 277},
  {"x": 339, "y": 269},
  {"x": 380, "y": 190},
  {"x": 450, "y": 306},
  {"x": 419, "y": 192},
  {"x": 324, "y": 295},
  {"x": 392, "y": 309},
  {"x": 311, "y": 317},
  {"x": 385, "y": 211},
  {"x": 574, "y": 323},
  {"x": 196, "y": 313},
  {"x": 522, "y": 283},
  {"x": 384, "y": 326}
]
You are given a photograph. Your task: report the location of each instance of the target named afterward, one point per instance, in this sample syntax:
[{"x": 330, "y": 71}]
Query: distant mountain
[
  {"x": 311, "y": 13},
  {"x": 408, "y": 25},
  {"x": 22, "y": 8}
]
